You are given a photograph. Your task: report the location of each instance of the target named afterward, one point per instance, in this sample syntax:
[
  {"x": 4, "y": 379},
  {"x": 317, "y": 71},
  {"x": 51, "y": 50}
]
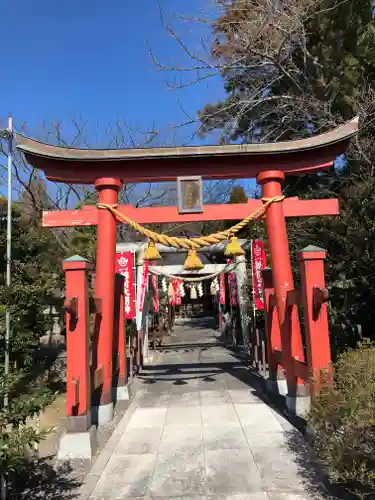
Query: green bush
[
  {"x": 17, "y": 436},
  {"x": 343, "y": 420},
  {"x": 36, "y": 274}
]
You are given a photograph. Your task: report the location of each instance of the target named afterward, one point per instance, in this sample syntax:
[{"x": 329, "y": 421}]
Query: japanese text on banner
[
  {"x": 124, "y": 266},
  {"x": 258, "y": 264},
  {"x": 222, "y": 289},
  {"x": 232, "y": 279}
]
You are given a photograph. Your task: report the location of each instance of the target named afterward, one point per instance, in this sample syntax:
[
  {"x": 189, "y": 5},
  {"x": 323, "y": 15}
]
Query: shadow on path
[
  {"x": 316, "y": 481},
  {"x": 40, "y": 479}
]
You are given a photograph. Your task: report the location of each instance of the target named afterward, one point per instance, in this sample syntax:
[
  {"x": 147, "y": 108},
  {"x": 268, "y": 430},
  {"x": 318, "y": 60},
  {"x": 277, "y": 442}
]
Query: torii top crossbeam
[{"x": 84, "y": 166}]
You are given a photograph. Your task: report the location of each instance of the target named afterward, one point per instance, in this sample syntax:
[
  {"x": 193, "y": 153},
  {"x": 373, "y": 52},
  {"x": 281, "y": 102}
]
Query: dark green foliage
[
  {"x": 341, "y": 41},
  {"x": 342, "y": 419},
  {"x": 82, "y": 241},
  {"x": 289, "y": 68},
  {"x": 312, "y": 63},
  {"x": 17, "y": 436},
  {"x": 238, "y": 195},
  {"x": 36, "y": 276}
]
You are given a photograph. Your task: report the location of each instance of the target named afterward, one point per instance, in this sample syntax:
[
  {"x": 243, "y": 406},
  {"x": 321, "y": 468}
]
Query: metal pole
[
  {"x": 9, "y": 251},
  {"x": 8, "y": 277}
]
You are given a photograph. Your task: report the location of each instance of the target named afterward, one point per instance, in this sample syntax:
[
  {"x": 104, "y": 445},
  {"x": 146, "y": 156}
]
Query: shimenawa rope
[{"x": 191, "y": 243}]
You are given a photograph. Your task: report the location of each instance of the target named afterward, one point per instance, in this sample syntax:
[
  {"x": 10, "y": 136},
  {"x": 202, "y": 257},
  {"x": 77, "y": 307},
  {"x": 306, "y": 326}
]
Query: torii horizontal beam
[
  {"x": 162, "y": 164},
  {"x": 88, "y": 215}
]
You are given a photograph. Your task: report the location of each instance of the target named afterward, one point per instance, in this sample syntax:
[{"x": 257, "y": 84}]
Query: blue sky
[{"x": 89, "y": 61}]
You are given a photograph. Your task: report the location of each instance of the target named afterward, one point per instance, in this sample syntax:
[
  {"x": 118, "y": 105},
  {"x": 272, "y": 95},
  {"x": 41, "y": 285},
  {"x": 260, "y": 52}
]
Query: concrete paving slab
[
  {"x": 243, "y": 396},
  {"x": 216, "y": 393},
  {"x": 262, "y": 495},
  {"x": 181, "y": 416},
  {"x": 154, "y": 401},
  {"x": 177, "y": 440},
  {"x": 232, "y": 471},
  {"x": 126, "y": 476},
  {"x": 223, "y": 437},
  {"x": 147, "y": 417},
  {"x": 219, "y": 415},
  {"x": 184, "y": 475},
  {"x": 139, "y": 441},
  {"x": 216, "y": 401},
  {"x": 185, "y": 399},
  {"x": 272, "y": 440},
  {"x": 259, "y": 417},
  {"x": 283, "y": 495}
]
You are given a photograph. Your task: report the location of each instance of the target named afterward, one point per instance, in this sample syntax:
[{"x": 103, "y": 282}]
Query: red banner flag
[
  {"x": 178, "y": 293},
  {"x": 176, "y": 299},
  {"x": 155, "y": 298},
  {"x": 143, "y": 285},
  {"x": 232, "y": 279},
  {"x": 124, "y": 266},
  {"x": 222, "y": 289},
  {"x": 258, "y": 258}
]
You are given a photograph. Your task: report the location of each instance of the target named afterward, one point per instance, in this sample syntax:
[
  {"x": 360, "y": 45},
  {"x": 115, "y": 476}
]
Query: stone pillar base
[
  {"x": 102, "y": 414},
  {"x": 121, "y": 393},
  {"x": 299, "y": 403},
  {"x": 299, "y": 406},
  {"x": 77, "y": 445},
  {"x": 277, "y": 387}
]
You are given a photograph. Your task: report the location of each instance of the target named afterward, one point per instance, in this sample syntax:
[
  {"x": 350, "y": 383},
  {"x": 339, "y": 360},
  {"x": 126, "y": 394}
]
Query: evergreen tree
[
  {"x": 238, "y": 195},
  {"x": 297, "y": 68},
  {"x": 289, "y": 68},
  {"x": 36, "y": 274}
]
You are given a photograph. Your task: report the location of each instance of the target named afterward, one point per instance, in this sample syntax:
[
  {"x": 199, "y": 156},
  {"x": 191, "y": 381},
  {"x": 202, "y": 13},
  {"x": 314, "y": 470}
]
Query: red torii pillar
[
  {"x": 282, "y": 277},
  {"x": 108, "y": 189}
]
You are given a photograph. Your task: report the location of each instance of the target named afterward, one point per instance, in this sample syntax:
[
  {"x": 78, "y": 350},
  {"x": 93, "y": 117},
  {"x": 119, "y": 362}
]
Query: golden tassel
[
  {"x": 151, "y": 252},
  {"x": 193, "y": 293},
  {"x": 233, "y": 248},
  {"x": 192, "y": 262}
]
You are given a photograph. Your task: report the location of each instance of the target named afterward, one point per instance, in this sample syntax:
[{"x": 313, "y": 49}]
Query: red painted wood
[
  {"x": 119, "y": 331},
  {"x": 282, "y": 274},
  {"x": 301, "y": 369},
  {"x": 88, "y": 215},
  {"x": 272, "y": 326},
  {"x": 78, "y": 389},
  {"x": 316, "y": 326},
  {"x": 293, "y": 298},
  {"x": 105, "y": 282}
]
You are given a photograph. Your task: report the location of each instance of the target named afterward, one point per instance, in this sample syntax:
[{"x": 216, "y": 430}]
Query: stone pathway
[{"x": 197, "y": 430}]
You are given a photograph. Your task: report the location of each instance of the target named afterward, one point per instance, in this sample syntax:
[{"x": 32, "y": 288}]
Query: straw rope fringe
[{"x": 191, "y": 243}]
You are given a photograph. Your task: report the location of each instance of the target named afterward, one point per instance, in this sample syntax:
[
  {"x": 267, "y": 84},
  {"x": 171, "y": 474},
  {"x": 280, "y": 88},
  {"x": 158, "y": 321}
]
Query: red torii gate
[{"x": 269, "y": 163}]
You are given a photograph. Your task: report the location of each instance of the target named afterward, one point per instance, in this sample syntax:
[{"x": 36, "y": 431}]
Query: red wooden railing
[{"x": 312, "y": 297}]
